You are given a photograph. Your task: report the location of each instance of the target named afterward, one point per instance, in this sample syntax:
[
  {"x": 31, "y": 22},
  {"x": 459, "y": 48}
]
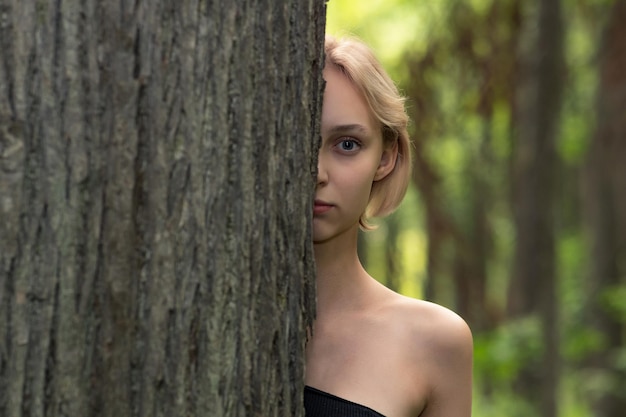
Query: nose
[{"x": 322, "y": 172}]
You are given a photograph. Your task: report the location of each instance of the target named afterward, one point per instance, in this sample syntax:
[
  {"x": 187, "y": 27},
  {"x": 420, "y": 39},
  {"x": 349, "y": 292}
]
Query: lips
[{"x": 321, "y": 207}]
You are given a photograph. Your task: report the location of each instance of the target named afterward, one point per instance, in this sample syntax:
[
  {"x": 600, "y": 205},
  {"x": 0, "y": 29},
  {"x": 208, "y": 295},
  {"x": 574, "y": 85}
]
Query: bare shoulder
[
  {"x": 439, "y": 327},
  {"x": 425, "y": 352},
  {"x": 439, "y": 344}
]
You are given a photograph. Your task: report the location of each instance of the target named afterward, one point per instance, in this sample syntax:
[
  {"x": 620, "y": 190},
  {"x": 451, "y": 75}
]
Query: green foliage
[
  {"x": 504, "y": 402},
  {"x": 577, "y": 116},
  {"x": 579, "y": 342},
  {"x": 390, "y": 27},
  {"x": 499, "y": 355},
  {"x": 614, "y": 300}
]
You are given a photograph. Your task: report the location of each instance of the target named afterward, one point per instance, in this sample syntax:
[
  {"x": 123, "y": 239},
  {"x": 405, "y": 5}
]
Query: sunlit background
[{"x": 456, "y": 238}]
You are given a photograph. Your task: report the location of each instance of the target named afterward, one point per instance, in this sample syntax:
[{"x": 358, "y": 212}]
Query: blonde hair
[{"x": 357, "y": 62}]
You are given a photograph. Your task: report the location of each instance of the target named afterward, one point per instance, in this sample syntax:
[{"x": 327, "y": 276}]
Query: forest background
[{"x": 517, "y": 214}]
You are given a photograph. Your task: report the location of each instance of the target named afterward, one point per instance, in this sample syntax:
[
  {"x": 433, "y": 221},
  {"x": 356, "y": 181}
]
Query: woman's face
[{"x": 351, "y": 158}]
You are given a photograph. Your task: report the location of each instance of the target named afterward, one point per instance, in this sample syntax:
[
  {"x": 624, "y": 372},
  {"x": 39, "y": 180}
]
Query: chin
[{"x": 320, "y": 237}]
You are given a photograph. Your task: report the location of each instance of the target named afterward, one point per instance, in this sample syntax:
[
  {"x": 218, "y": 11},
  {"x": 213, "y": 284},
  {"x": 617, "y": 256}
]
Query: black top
[{"x": 322, "y": 404}]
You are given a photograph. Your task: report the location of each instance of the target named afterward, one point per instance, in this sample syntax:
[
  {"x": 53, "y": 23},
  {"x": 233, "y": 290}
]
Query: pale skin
[{"x": 397, "y": 355}]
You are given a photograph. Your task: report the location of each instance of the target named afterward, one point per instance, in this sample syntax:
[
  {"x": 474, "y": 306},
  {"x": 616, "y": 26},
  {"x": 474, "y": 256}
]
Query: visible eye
[{"x": 348, "y": 145}]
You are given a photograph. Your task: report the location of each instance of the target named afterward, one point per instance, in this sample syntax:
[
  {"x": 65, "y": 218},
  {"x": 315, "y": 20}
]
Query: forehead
[{"x": 343, "y": 103}]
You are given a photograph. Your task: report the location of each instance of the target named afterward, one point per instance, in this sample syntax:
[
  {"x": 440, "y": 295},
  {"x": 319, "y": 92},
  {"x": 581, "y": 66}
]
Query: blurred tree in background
[{"x": 517, "y": 217}]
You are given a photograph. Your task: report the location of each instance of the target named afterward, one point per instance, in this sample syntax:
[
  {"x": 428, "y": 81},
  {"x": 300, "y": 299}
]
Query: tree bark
[
  {"x": 157, "y": 163},
  {"x": 605, "y": 210},
  {"x": 533, "y": 288}
]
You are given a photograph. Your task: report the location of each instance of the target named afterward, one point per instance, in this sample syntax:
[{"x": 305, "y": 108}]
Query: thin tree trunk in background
[
  {"x": 155, "y": 255},
  {"x": 393, "y": 259},
  {"x": 363, "y": 249},
  {"x": 533, "y": 288},
  {"x": 472, "y": 252},
  {"x": 427, "y": 182},
  {"x": 605, "y": 204}
]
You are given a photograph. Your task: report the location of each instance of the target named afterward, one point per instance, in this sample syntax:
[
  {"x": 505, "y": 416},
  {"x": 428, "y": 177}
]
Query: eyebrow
[{"x": 358, "y": 128}]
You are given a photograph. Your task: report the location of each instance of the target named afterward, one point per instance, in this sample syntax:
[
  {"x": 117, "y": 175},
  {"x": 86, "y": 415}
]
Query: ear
[{"x": 387, "y": 161}]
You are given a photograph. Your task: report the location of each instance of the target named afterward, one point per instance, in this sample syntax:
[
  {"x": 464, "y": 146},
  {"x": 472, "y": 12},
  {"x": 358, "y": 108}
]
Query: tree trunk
[
  {"x": 605, "y": 203},
  {"x": 155, "y": 255},
  {"x": 472, "y": 253},
  {"x": 534, "y": 281},
  {"x": 393, "y": 260}
]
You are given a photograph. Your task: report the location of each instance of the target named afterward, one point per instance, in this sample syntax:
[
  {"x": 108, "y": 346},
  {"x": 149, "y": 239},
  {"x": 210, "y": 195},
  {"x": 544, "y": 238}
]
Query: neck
[{"x": 340, "y": 277}]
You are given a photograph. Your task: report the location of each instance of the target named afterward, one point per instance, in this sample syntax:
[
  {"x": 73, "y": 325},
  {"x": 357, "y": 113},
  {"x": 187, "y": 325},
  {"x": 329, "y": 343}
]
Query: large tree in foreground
[{"x": 156, "y": 171}]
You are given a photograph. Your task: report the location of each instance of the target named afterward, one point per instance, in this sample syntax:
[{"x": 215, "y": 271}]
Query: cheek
[{"x": 357, "y": 182}]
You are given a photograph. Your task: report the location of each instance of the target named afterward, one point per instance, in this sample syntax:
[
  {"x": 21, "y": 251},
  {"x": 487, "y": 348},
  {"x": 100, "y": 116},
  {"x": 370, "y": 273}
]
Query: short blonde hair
[{"x": 357, "y": 62}]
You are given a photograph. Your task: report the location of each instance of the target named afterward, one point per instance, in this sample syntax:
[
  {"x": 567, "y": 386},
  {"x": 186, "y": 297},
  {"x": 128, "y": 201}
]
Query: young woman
[{"x": 372, "y": 351}]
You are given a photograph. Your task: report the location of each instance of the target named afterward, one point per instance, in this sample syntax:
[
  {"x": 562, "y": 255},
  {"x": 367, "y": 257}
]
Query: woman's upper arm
[{"x": 450, "y": 371}]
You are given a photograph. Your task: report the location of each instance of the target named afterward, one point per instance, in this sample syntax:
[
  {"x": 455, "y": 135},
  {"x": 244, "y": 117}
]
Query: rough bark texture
[
  {"x": 534, "y": 281},
  {"x": 156, "y": 172},
  {"x": 605, "y": 203}
]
